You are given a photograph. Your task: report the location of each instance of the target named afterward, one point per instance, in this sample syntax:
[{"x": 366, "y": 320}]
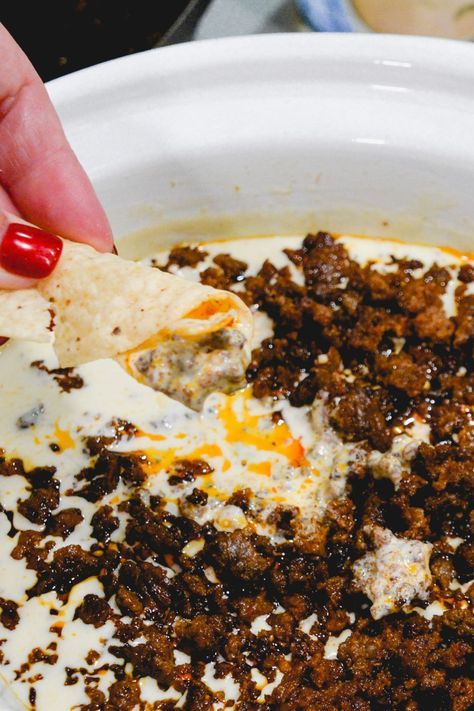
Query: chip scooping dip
[{"x": 184, "y": 339}]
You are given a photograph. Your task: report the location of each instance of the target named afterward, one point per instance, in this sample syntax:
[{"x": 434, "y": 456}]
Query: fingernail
[{"x": 28, "y": 251}]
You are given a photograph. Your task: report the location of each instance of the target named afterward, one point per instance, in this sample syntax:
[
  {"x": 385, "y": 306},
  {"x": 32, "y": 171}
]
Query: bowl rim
[
  {"x": 421, "y": 86},
  {"x": 431, "y": 54}
]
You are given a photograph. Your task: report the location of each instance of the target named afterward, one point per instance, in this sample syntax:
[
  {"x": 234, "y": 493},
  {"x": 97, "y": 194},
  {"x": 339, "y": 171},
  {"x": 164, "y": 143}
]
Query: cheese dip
[{"x": 302, "y": 543}]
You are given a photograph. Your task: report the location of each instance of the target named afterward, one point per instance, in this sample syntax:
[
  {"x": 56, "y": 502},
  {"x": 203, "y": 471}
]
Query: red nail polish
[{"x": 28, "y": 251}]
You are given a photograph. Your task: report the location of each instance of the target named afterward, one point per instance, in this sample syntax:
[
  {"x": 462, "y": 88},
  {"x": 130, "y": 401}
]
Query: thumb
[
  {"x": 27, "y": 253},
  {"x": 38, "y": 168}
]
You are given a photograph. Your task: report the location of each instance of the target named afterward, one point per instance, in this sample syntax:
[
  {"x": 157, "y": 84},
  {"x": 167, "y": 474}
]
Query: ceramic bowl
[{"x": 283, "y": 133}]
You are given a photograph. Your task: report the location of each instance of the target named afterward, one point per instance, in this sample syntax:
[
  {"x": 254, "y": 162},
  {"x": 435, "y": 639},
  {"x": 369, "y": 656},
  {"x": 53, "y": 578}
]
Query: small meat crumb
[
  {"x": 66, "y": 378},
  {"x": 185, "y": 256}
]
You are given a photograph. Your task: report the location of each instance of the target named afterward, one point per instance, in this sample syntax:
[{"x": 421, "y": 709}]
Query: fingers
[
  {"x": 38, "y": 167},
  {"x": 26, "y": 253},
  {"x": 6, "y": 202}
]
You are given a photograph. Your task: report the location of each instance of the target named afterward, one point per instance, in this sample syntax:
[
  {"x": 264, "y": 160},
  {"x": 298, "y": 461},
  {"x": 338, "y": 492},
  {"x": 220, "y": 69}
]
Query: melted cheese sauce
[
  {"x": 288, "y": 460},
  {"x": 395, "y": 573}
]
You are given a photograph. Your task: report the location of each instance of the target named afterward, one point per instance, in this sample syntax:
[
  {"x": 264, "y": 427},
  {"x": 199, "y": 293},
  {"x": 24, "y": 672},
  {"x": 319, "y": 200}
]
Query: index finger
[{"x": 37, "y": 165}]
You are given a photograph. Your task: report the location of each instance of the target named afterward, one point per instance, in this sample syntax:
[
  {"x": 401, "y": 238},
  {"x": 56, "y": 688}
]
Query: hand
[{"x": 40, "y": 177}]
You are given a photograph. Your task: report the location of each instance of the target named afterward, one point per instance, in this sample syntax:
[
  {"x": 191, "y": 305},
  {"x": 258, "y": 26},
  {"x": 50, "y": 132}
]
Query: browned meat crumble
[
  {"x": 66, "y": 378},
  {"x": 406, "y": 359},
  {"x": 183, "y": 256}
]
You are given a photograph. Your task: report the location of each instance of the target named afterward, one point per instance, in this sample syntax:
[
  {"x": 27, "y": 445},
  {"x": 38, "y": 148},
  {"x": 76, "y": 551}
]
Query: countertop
[{"x": 225, "y": 18}]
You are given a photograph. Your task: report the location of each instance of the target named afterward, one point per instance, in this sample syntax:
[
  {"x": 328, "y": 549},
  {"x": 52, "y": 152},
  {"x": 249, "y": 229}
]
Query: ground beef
[
  {"x": 376, "y": 351},
  {"x": 10, "y": 467},
  {"x": 104, "y": 523},
  {"x": 9, "y": 616},
  {"x": 464, "y": 562},
  {"x": 465, "y": 321},
  {"x": 447, "y": 420},
  {"x": 29, "y": 547},
  {"x": 185, "y": 470},
  {"x": 103, "y": 477},
  {"x": 400, "y": 371},
  {"x": 150, "y": 584},
  {"x": 240, "y": 498},
  {"x": 326, "y": 265},
  {"x": 227, "y": 272},
  {"x": 372, "y": 325},
  {"x": 37, "y": 508},
  {"x": 233, "y": 269},
  {"x": 400, "y": 661},
  {"x": 123, "y": 695},
  {"x": 94, "y": 610},
  {"x": 153, "y": 658},
  {"x": 158, "y": 531},
  {"x": 378, "y": 348},
  {"x": 215, "y": 277},
  {"x": 70, "y": 566},
  {"x": 445, "y": 488},
  {"x": 197, "y": 497},
  {"x": 199, "y": 697},
  {"x": 432, "y": 324},
  {"x": 66, "y": 378},
  {"x": 184, "y": 256},
  {"x": 44, "y": 496},
  {"x": 417, "y": 295},
  {"x": 128, "y": 602},
  {"x": 201, "y": 637},
  {"x": 63, "y": 523},
  {"x": 245, "y": 557},
  {"x": 363, "y": 414},
  {"x": 96, "y": 697},
  {"x": 459, "y": 388},
  {"x": 466, "y": 273}
]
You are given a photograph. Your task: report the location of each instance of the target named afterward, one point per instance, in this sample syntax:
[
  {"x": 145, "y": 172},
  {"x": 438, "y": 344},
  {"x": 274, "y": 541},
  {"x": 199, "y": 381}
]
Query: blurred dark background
[{"x": 61, "y": 36}]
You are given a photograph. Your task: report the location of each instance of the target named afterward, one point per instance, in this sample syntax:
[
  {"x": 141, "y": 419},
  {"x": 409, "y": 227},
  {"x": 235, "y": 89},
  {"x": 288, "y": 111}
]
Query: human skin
[
  {"x": 440, "y": 18},
  {"x": 41, "y": 179}
]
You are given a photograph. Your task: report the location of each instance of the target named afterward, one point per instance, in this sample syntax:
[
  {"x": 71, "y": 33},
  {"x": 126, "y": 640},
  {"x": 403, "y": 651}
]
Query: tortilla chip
[
  {"x": 25, "y": 314},
  {"x": 105, "y": 306}
]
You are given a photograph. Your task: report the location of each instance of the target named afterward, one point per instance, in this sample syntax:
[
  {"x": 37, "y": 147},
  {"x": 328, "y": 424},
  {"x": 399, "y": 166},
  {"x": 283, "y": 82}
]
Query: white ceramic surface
[{"x": 282, "y": 132}]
